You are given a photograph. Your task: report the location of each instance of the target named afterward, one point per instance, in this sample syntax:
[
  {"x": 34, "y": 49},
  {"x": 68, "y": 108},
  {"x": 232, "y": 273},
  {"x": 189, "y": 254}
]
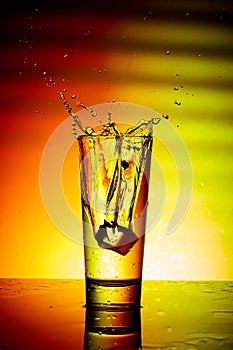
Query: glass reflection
[{"x": 109, "y": 328}]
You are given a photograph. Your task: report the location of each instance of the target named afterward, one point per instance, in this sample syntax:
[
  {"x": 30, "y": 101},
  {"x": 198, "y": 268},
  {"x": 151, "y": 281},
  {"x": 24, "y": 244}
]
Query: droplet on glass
[
  {"x": 178, "y": 103},
  {"x": 73, "y": 97},
  {"x": 65, "y": 56},
  {"x": 176, "y": 88},
  {"x": 35, "y": 65},
  {"x": 168, "y": 52},
  {"x": 165, "y": 116}
]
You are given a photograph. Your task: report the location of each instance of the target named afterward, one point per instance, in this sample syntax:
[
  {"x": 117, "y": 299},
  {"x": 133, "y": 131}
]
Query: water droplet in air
[{"x": 160, "y": 313}]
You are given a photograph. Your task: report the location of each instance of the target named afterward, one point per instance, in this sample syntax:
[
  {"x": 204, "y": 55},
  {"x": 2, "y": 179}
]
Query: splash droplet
[{"x": 160, "y": 313}]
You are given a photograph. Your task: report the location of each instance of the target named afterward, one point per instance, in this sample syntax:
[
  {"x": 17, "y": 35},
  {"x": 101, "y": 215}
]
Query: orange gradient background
[{"x": 135, "y": 54}]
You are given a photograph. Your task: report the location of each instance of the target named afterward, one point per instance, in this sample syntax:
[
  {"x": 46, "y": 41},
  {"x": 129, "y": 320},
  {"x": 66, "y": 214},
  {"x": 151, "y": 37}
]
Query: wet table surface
[{"x": 50, "y": 314}]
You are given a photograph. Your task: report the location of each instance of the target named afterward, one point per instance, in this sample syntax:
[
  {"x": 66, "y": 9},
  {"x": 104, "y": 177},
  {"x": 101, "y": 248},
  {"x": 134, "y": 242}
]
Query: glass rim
[{"x": 78, "y": 137}]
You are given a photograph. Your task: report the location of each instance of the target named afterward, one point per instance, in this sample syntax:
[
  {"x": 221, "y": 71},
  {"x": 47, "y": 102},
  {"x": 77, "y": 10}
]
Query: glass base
[{"x": 113, "y": 293}]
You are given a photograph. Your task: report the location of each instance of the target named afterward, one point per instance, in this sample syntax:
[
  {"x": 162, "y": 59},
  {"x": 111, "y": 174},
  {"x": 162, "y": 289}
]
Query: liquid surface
[{"x": 180, "y": 315}]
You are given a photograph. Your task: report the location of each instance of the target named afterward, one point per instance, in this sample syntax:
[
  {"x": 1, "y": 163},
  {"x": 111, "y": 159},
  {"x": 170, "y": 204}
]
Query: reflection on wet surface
[{"x": 51, "y": 314}]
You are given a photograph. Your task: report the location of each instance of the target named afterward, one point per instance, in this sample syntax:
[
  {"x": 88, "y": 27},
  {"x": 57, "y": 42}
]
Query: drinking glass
[{"x": 114, "y": 178}]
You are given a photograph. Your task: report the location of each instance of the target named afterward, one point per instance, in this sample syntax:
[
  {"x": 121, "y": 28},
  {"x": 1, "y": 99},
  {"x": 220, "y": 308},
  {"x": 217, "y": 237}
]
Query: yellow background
[{"x": 136, "y": 55}]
